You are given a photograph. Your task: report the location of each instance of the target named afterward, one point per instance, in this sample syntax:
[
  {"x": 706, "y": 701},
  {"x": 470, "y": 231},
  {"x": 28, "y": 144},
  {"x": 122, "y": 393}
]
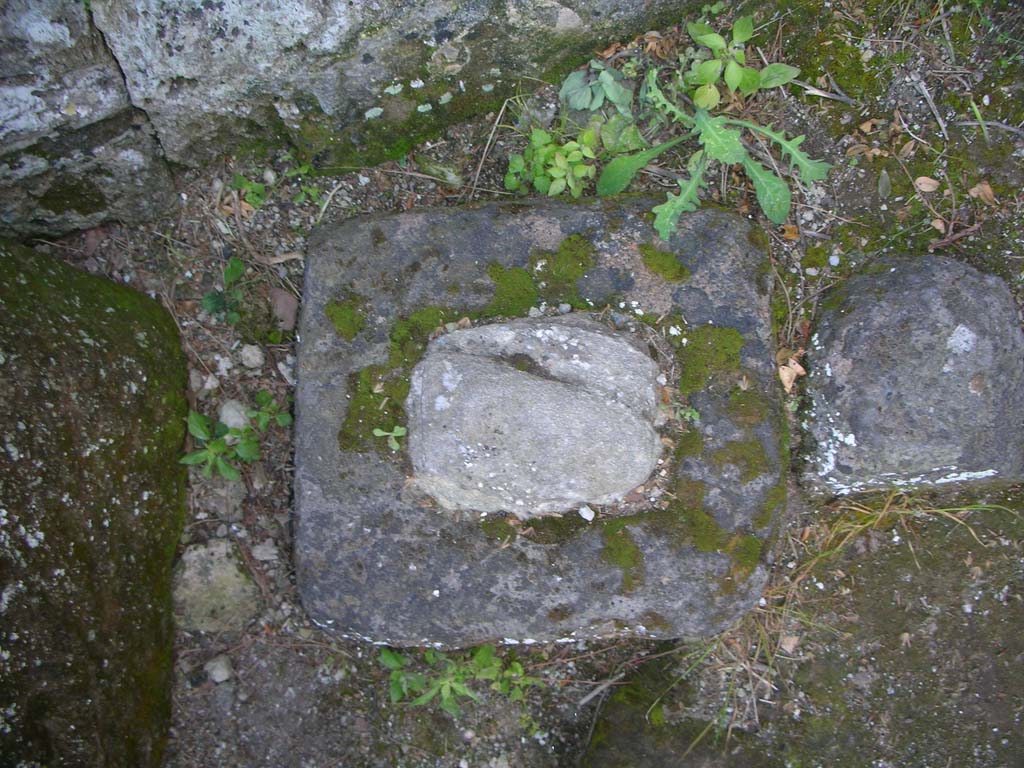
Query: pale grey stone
[
  {"x": 219, "y": 669},
  {"x": 212, "y": 593},
  {"x": 251, "y": 356},
  {"x": 532, "y": 416},
  {"x": 232, "y": 413},
  {"x": 916, "y": 380}
]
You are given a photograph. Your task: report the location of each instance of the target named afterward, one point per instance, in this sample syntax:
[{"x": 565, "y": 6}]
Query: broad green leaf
[
  {"x": 398, "y": 431},
  {"x": 750, "y": 81},
  {"x": 226, "y": 471},
  {"x": 516, "y": 163},
  {"x": 542, "y": 184},
  {"x": 264, "y": 398},
  {"x": 391, "y": 659},
  {"x": 556, "y": 188},
  {"x": 775, "y": 75},
  {"x": 733, "y": 76},
  {"x": 619, "y": 135},
  {"x": 511, "y": 182},
  {"x": 588, "y": 137},
  {"x": 575, "y": 91},
  {"x": 248, "y": 449},
  {"x": 809, "y": 170},
  {"x": 596, "y": 98},
  {"x": 283, "y": 419},
  {"x": 196, "y": 457},
  {"x": 397, "y": 690},
  {"x": 772, "y": 192},
  {"x": 713, "y": 40},
  {"x": 621, "y": 97},
  {"x": 214, "y": 303},
  {"x": 719, "y": 142},
  {"x": 739, "y": 56},
  {"x": 697, "y": 28},
  {"x": 709, "y": 71},
  {"x": 556, "y": 173},
  {"x": 233, "y": 270},
  {"x": 743, "y": 29},
  {"x": 620, "y": 171},
  {"x": 419, "y": 701},
  {"x": 667, "y": 214},
  {"x": 539, "y": 137},
  {"x": 707, "y": 96},
  {"x": 378, "y": 432},
  {"x": 198, "y": 425}
]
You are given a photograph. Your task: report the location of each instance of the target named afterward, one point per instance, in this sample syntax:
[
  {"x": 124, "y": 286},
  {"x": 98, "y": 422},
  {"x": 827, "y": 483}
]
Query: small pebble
[
  {"x": 564, "y": 309},
  {"x": 269, "y": 177},
  {"x": 232, "y": 414},
  {"x": 534, "y": 312},
  {"x": 586, "y": 513},
  {"x": 252, "y": 356},
  {"x": 218, "y": 669}
]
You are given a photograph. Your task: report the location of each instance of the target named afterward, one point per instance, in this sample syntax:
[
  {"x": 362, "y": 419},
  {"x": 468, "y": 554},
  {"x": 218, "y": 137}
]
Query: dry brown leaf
[
  {"x": 983, "y": 191},
  {"x": 857, "y": 149},
  {"x": 783, "y": 355},
  {"x": 790, "y": 232},
  {"x": 905, "y": 640},
  {"x": 796, "y": 367},
  {"x": 789, "y": 643},
  {"x": 908, "y": 149},
  {"x": 868, "y": 125},
  {"x": 284, "y": 305},
  {"x": 940, "y": 225},
  {"x": 925, "y": 184},
  {"x": 788, "y": 377}
]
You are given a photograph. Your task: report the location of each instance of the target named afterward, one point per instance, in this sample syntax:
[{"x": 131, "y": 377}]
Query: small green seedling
[
  {"x": 392, "y": 436},
  {"x": 550, "y": 167},
  {"x": 449, "y": 680},
  {"x": 255, "y": 193},
  {"x": 220, "y": 446},
  {"x": 267, "y": 411},
  {"x": 228, "y": 302}
]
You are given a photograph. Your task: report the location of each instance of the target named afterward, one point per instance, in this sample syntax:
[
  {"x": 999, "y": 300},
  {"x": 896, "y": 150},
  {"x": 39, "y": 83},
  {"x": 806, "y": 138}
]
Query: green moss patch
[
  {"x": 710, "y": 351},
  {"x": 376, "y": 397},
  {"x": 689, "y": 443},
  {"x": 748, "y": 407},
  {"x": 746, "y": 455},
  {"x": 410, "y": 335},
  {"x": 498, "y": 528},
  {"x": 558, "y": 271},
  {"x": 663, "y": 263},
  {"x": 345, "y": 315},
  {"x": 514, "y": 292},
  {"x": 621, "y": 551}
]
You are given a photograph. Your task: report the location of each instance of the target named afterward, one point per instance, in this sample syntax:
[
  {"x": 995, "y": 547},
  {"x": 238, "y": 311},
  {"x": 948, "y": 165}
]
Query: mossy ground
[{"x": 663, "y": 263}]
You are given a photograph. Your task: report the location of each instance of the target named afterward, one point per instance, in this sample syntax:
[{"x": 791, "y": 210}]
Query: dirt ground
[{"x": 912, "y": 91}]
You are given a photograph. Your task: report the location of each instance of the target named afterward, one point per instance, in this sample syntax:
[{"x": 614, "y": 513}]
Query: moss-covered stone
[
  {"x": 748, "y": 407},
  {"x": 709, "y": 352},
  {"x": 663, "y": 263},
  {"x": 92, "y": 411},
  {"x": 514, "y": 292},
  {"x": 346, "y": 316},
  {"x": 557, "y": 271},
  {"x": 746, "y": 455},
  {"x": 621, "y": 551}
]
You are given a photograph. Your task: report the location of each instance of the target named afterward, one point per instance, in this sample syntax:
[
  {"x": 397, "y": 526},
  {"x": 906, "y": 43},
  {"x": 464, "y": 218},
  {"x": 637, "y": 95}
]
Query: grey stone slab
[
  {"x": 375, "y": 562},
  {"x": 532, "y": 416},
  {"x": 916, "y": 380}
]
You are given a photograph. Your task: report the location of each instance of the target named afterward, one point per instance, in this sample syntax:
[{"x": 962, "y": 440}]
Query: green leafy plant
[
  {"x": 267, "y": 411},
  {"x": 675, "y": 100},
  {"x": 392, "y": 436},
  {"x": 720, "y": 61},
  {"x": 551, "y": 167},
  {"x": 228, "y": 302},
  {"x": 450, "y": 677},
  {"x": 219, "y": 446},
  {"x": 255, "y": 192},
  {"x": 590, "y": 88},
  {"x": 720, "y": 139}
]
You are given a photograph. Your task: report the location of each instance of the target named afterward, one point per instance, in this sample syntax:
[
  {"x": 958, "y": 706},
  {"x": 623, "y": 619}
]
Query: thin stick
[
  {"x": 992, "y": 124},
  {"x": 812, "y": 91},
  {"x": 487, "y": 149},
  {"x": 923, "y": 90}
]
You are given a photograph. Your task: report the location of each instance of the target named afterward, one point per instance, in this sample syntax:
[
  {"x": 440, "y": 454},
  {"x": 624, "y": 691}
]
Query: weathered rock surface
[
  {"x": 917, "y": 379},
  {"x": 92, "y": 413},
  {"x": 212, "y": 592},
  {"x": 73, "y": 151},
  {"x": 532, "y": 416},
  {"x": 332, "y": 75},
  {"x": 372, "y": 562}
]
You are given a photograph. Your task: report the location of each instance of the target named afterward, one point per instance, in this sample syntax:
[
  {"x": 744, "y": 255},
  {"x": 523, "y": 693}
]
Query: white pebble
[
  {"x": 586, "y": 513},
  {"x": 232, "y": 415},
  {"x": 219, "y": 669},
  {"x": 251, "y": 356}
]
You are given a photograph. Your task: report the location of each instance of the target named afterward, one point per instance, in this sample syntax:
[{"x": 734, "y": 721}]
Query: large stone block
[
  {"x": 917, "y": 380},
  {"x": 73, "y": 151},
  {"x": 681, "y": 555},
  {"x": 92, "y": 415}
]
